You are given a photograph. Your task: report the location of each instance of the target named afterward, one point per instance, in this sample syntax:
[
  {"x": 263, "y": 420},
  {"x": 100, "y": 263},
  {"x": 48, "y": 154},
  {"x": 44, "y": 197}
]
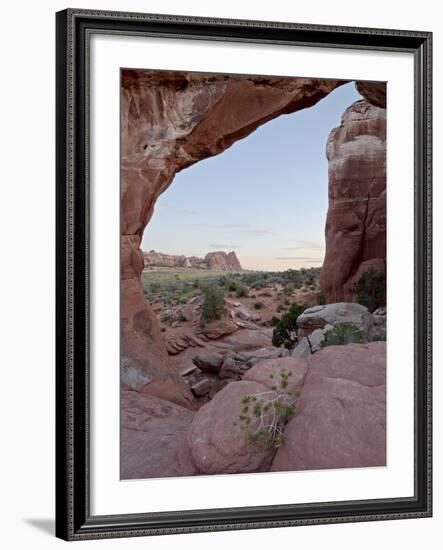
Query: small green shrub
[
  {"x": 241, "y": 291},
  {"x": 232, "y": 286},
  {"x": 286, "y": 328},
  {"x": 371, "y": 289},
  {"x": 213, "y": 306},
  {"x": 182, "y": 317},
  {"x": 274, "y": 320},
  {"x": 321, "y": 298},
  {"x": 342, "y": 334},
  {"x": 265, "y": 414},
  {"x": 258, "y": 305},
  {"x": 288, "y": 290}
]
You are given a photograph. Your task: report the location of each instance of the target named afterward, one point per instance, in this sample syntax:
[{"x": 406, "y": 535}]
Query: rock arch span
[{"x": 170, "y": 121}]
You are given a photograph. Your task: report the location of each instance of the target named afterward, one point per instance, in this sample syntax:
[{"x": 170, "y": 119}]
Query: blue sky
[{"x": 265, "y": 197}]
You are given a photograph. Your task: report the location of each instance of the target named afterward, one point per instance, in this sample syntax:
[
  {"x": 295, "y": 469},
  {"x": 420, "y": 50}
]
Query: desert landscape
[{"x": 227, "y": 369}]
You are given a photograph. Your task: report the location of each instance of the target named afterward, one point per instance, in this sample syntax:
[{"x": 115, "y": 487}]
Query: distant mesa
[{"x": 218, "y": 260}]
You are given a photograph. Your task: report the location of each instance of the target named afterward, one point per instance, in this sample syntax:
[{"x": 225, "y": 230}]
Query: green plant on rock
[
  {"x": 265, "y": 414},
  {"x": 371, "y": 289},
  {"x": 342, "y": 334},
  {"x": 286, "y": 328},
  {"x": 258, "y": 305},
  {"x": 213, "y": 306}
]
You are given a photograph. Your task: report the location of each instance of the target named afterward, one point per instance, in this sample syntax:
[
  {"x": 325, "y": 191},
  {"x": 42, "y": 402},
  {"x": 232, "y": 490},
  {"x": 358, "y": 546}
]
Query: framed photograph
[{"x": 243, "y": 274}]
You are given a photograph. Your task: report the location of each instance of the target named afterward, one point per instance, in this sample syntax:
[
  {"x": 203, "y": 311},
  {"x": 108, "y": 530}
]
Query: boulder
[
  {"x": 246, "y": 315},
  {"x": 201, "y": 387},
  {"x": 151, "y": 432},
  {"x": 341, "y": 415},
  {"x": 218, "y": 328},
  {"x": 249, "y": 339},
  {"x": 262, "y": 372},
  {"x": 316, "y": 338},
  {"x": 302, "y": 349},
  {"x": 318, "y": 317},
  {"x": 217, "y": 442},
  {"x": 209, "y": 362}
]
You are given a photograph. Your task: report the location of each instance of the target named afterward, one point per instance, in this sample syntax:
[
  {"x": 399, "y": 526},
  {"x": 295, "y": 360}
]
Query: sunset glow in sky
[{"x": 265, "y": 197}]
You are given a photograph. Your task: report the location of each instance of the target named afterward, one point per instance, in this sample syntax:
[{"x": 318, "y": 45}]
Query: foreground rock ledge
[
  {"x": 340, "y": 420},
  {"x": 341, "y": 415}
]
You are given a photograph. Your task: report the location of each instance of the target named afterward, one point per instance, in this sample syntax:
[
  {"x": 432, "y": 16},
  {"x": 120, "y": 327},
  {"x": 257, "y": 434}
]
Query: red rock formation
[
  {"x": 213, "y": 260},
  {"x": 170, "y": 121},
  {"x": 222, "y": 261},
  {"x": 374, "y": 92},
  {"x": 152, "y": 431},
  {"x": 217, "y": 442},
  {"x": 341, "y": 414},
  {"x": 356, "y": 219}
]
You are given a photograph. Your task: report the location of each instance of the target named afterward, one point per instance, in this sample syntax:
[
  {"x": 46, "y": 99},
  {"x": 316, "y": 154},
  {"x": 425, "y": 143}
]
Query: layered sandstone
[
  {"x": 356, "y": 220},
  {"x": 219, "y": 260},
  {"x": 169, "y": 121}
]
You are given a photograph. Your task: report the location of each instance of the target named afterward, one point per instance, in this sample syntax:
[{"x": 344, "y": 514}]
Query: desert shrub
[
  {"x": 213, "y": 306},
  {"x": 266, "y": 294},
  {"x": 342, "y": 334},
  {"x": 241, "y": 291},
  {"x": 231, "y": 286},
  {"x": 288, "y": 290},
  {"x": 286, "y": 328},
  {"x": 155, "y": 288},
  {"x": 258, "y": 285},
  {"x": 258, "y": 305},
  {"x": 182, "y": 317},
  {"x": 379, "y": 336},
  {"x": 321, "y": 298},
  {"x": 288, "y": 344},
  {"x": 371, "y": 289},
  {"x": 274, "y": 320},
  {"x": 281, "y": 307},
  {"x": 269, "y": 412},
  {"x": 286, "y": 301}
]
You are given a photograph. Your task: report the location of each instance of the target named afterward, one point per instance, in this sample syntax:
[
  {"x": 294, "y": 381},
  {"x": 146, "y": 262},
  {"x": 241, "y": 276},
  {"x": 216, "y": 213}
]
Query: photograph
[{"x": 253, "y": 230}]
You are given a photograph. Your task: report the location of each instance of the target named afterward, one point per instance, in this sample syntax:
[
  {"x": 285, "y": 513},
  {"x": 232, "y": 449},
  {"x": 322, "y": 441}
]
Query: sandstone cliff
[
  {"x": 219, "y": 260},
  {"x": 356, "y": 219}
]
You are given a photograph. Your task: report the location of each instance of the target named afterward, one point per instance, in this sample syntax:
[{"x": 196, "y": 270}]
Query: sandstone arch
[{"x": 167, "y": 125}]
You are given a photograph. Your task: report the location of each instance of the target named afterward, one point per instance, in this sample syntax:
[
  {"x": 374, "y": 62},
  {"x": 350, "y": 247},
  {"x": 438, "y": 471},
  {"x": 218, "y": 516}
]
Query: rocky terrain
[
  {"x": 227, "y": 360},
  {"x": 219, "y": 260},
  {"x": 223, "y": 396}
]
